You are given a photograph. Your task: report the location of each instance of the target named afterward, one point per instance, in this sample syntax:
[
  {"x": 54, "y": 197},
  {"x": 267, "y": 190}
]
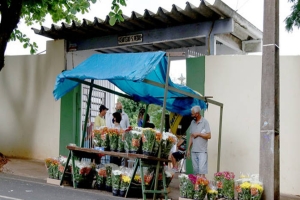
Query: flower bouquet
[
  {"x": 219, "y": 183},
  {"x": 61, "y": 167},
  {"x": 212, "y": 192},
  {"x": 52, "y": 167},
  {"x": 168, "y": 142},
  {"x": 116, "y": 180},
  {"x": 135, "y": 141},
  {"x": 121, "y": 142},
  {"x": 104, "y": 138},
  {"x": 148, "y": 139},
  {"x": 83, "y": 174},
  {"x": 228, "y": 185},
  {"x": 101, "y": 178},
  {"x": 169, "y": 176}
]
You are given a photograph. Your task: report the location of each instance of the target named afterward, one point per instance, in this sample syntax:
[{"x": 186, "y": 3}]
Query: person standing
[
  {"x": 125, "y": 120},
  {"x": 199, "y": 136},
  {"x": 100, "y": 119}
]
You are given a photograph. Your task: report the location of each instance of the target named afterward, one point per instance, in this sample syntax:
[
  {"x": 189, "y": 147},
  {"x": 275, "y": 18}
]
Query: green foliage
[
  {"x": 132, "y": 109},
  {"x": 294, "y": 18},
  {"x": 35, "y": 11}
]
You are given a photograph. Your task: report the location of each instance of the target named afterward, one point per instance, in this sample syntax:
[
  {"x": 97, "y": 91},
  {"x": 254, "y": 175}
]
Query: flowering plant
[
  {"x": 104, "y": 137},
  {"x": 124, "y": 182},
  {"x": 109, "y": 167},
  {"x": 183, "y": 178},
  {"x": 52, "y": 167},
  {"x": 97, "y": 137},
  {"x": 200, "y": 188},
  {"x": 219, "y": 182},
  {"x": 135, "y": 141},
  {"x": 83, "y": 174},
  {"x": 121, "y": 141},
  {"x": 168, "y": 140},
  {"x": 212, "y": 192},
  {"x": 158, "y": 137},
  {"x": 62, "y": 166},
  {"x": 116, "y": 179},
  {"x": 256, "y": 190},
  {"x": 127, "y": 142},
  {"x": 101, "y": 176},
  {"x": 113, "y": 138},
  {"x": 228, "y": 185},
  {"x": 148, "y": 139}
]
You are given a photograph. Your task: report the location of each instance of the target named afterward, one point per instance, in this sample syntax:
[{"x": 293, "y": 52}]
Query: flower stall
[{"x": 144, "y": 72}]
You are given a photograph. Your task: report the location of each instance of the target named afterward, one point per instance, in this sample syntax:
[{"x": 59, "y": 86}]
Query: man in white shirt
[{"x": 125, "y": 120}]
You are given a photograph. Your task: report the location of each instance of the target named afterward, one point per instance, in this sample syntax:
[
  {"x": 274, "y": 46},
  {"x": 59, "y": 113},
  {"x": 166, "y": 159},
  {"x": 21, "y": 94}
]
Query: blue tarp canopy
[{"x": 127, "y": 71}]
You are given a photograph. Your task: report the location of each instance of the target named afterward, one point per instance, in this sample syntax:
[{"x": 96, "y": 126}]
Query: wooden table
[{"x": 140, "y": 160}]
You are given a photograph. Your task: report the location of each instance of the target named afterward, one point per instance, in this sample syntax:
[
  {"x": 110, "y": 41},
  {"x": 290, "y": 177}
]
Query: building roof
[{"x": 239, "y": 29}]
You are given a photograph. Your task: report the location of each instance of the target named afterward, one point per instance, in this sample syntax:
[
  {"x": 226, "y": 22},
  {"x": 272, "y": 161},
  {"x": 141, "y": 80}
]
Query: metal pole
[
  {"x": 87, "y": 112},
  {"x": 269, "y": 163},
  {"x": 220, "y": 137},
  {"x": 162, "y": 124}
]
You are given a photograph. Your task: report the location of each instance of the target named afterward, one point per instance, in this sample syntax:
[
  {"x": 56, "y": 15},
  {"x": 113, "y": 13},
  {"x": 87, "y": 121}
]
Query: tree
[
  {"x": 35, "y": 11},
  {"x": 132, "y": 109},
  {"x": 294, "y": 18}
]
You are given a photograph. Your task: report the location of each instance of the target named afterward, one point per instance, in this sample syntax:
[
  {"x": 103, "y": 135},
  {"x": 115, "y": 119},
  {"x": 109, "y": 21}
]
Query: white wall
[
  {"x": 30, "y": 117},
  {"x": 236, "y": 82}
]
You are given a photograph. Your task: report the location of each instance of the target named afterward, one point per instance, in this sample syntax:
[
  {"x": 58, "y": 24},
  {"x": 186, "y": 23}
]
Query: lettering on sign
[{"x": 130, "y": 39}]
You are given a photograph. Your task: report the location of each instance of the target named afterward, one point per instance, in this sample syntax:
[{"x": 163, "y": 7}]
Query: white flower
[
  {"x": 183, "y": 176},
  {"x": 116, "y": 172}
]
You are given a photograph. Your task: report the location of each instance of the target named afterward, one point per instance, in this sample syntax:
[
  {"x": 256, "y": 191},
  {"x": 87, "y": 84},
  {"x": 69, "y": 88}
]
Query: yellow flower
[
  {"x": 257, "y": 186},
  {"x": 125, "y": 179},
  {"x": 210, "y": 191},
  {"x": 245, "y": 185},
  {"x": 137, "y": 178}
]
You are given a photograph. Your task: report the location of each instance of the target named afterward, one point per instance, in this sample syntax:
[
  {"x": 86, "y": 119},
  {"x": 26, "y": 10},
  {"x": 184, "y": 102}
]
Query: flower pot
[
  {"x": 147, "y": 153},
  {"x": 108, "y": 188},
  {"x": 115, "y": 192},
  {"x": 100, "y": 186},
  {"x": 122, "y": 193}
]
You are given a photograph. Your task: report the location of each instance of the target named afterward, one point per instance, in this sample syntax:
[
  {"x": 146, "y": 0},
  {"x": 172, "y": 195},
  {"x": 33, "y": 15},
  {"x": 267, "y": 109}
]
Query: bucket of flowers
[
  {"x": 168, "y": 141},
  {"x": 113, "y": 138},
  {"x": 200, "y": 188},
  {"x": 148, "y": 139},
  {"x": 212, "y": 192},
  {"x": 116, "y": 181},
  {"x": 100, "y": 178},
  {"x": 135, "y": 140},
  {"x": 104, "y": 138},
  {"x": 242, "y": 187},
  {"x": 228, "y": 185},
  {"x": 52, "y": 167},
  {"x": 83, "y": 174}
]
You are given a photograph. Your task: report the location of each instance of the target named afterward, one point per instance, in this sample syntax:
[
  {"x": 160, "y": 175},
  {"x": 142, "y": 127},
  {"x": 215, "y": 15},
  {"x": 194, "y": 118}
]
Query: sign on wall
[{"x": 128, "y": 39}]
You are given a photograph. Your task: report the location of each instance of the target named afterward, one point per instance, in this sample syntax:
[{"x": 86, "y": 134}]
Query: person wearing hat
[{"x": 100, "y": 119}]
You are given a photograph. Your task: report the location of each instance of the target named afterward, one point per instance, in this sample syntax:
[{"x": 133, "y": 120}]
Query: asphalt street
[{"x": 20, "y": 188}]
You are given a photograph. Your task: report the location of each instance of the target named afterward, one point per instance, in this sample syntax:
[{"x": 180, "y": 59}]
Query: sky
[{"x": 252, "y": 10}]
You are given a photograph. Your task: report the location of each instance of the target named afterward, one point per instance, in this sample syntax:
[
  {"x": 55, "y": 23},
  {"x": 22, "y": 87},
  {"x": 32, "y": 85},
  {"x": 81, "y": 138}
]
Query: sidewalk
[{"x": 36, "y": 169}]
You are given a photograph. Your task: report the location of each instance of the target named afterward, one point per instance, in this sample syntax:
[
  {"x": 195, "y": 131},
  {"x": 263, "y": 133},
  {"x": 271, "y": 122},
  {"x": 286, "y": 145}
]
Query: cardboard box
[
  {"x": 181, "y": 198},
  {"x": 53, "y": 181}
]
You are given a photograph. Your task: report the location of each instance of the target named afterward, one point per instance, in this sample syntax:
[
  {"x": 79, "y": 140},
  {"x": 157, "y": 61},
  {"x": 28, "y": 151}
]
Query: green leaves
[
  {"x": 294, "y": 18},
  {"x": 18, "y": 35},
  {"x": 116, "y": 13}
]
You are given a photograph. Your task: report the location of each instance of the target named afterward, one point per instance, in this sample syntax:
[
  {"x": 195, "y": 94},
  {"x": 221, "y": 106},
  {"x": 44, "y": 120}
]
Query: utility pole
[{"x": 269, "y": 164}]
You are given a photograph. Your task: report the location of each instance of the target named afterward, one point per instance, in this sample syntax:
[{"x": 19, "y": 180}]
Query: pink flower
[{"x": 192, "y": 178}]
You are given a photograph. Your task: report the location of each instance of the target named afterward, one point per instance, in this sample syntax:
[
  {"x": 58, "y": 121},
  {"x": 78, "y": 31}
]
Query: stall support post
[
  {"x": 66, "y": 167},
  {"x": 162, "y": 124},
  {"x": 136, "y": 163},
  {"x": 220, "y": 136},
  {"x": 87, "y": 112},
  {"x": 73, "y": 169}
]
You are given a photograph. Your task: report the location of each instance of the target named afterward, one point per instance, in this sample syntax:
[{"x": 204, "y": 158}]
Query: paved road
[{"x": 20, "y": 188}]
